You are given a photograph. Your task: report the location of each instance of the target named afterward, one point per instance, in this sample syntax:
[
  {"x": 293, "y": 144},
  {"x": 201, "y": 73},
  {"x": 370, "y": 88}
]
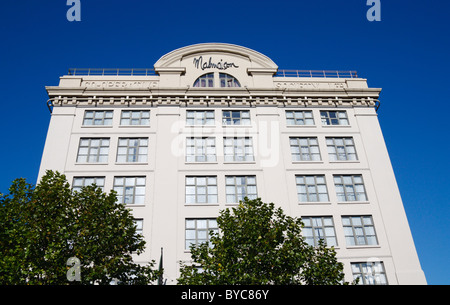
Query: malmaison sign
[{"x": 199, "y": 63}]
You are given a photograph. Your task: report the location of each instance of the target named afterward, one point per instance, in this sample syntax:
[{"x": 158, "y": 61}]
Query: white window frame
[
  {"x": 238, "y": 149},
  {"x": 197, "y": 231},
  {"x": 201, "y": 190},
  {"x": 312, "y": 188},
  {"x": 134, "y": 149},
  {"x": 131, "y": 190},
  {"x": 239, "y": 187},
  {"x": 201, "y": 149},
  {"x": 93, "y": 150}
]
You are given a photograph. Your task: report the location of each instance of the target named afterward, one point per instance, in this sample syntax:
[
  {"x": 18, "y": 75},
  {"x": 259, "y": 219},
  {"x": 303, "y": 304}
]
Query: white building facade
[{"x": 212, "y": 123}]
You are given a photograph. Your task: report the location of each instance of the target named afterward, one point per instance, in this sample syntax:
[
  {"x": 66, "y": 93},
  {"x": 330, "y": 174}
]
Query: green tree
[
  {"x": 259, "y": 245},
  {"x": 41, "y": 228}
]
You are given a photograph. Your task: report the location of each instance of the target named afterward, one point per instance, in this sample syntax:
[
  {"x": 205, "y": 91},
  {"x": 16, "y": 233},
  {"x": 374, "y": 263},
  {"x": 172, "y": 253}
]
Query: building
[{"x": 214, "y": 122}]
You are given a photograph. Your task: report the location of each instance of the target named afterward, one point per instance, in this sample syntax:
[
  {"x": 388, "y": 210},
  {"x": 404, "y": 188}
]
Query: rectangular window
[
  {"x": 97, "y": 117},
  {"x": 197, "y": 231},
  {"x": 79, "y": 182},
  {"x": 135, "y": 118},
  {"x": 305, "y": 149},
  {"x": 93, "y": 150},
  {"x": 334, "y": 117},
  {"x": 130, "y": 190},
  {"x": 369, "y": 273},
  {"x": 359, "y": 230},
  {"x": 350, "y": 188},
  {"x": 317, "y": 228},
  {"x": 201, "y": 190},
  {"x": 200, "y": 149},
  {"x": 139, "y": 226},
  {"x": 132, "y": 150},
  {"x": 312, "y": 188},
  {"x": 199, "y": 117},
  {"x": 341, "y": 149},
  {"x": 236, "y": 117},
  {"x": 303, "y": 117},
  {"x": 238, "y": 149},
  {"x": 238, "y": 187}
]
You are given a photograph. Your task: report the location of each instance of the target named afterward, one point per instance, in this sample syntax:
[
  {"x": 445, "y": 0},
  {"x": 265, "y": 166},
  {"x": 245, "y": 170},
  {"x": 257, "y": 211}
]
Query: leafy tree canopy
[
  {"x": 258, "y": 244},
  {"x": 41, "y": 228}
]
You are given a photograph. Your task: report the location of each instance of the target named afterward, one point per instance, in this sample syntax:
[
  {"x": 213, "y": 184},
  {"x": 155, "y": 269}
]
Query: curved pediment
[
  {"x": 215, "y": 51},
  {"x": 184, "y": 66}
]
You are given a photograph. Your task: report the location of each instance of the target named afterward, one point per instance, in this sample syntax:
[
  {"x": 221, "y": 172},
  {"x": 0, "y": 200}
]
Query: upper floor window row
[
  {"x": 207, "y": 117},
  {"x": 208, "y": 81},
  {"x": 127, "y": 118},
  {"x": 328, "y": 117}
]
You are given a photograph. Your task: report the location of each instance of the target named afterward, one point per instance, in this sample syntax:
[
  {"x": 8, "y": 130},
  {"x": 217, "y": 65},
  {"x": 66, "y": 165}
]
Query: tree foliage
[
  {"x": 42, "y": 227},
  {"x": 258, "y": 244}
]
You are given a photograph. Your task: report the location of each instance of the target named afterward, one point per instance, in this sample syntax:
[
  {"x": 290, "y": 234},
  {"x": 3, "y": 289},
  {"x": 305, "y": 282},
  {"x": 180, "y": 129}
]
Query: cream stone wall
[{"x": 169, "y": 93}]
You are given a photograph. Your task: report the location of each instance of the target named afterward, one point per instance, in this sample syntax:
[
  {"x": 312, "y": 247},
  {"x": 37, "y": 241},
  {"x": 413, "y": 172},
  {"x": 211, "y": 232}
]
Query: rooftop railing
[
  {"x": 146, "y": 72},
  {"x": 317, "y": 73},
  {"x": 113, "y": 72}
]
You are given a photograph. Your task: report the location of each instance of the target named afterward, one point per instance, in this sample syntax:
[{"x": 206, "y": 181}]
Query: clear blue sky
[{"x": 406, "y": 54}]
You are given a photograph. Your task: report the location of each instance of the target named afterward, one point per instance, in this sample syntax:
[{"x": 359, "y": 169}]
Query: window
[
  {"x": 139, "y": 223},
  {"x": 305, "y": 149},
  {"x": 199, "y": 117},
  {"x": 130, "y": 190},
  {"x": 334, "y": 117},
  {"x": 132, "y": 150},
  {"x": 299, "y": 117},
  {"x": 97, "y": 118},
  {"x": 206, "y": 80},
  {"x": 350, "y": 188},
  {"x": 135, "y": 118},
  {"x": 200, "y": 149},
  {"x": 93, "y": 150},
  {"x": 311, "y": 189},
  {"x": 227, "y": 80},
  {"x": 79, "y": 182},
  {"x": 317, "y": 228},
  {"x": 201, "y": 189},
  {"x": 369, "y": 273},
  {"x": 359, "y": 230},
  {"x": 197, "y": 231},
  {"x": 238, "y": 187},
  {"x": 341, "y": 149},
  {"x": 238, "y": 149},
  {"x": 236, "y": 117}
]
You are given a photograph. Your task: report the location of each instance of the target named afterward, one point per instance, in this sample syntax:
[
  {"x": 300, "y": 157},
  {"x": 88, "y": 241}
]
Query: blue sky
[{"x": 406, "y": 54}]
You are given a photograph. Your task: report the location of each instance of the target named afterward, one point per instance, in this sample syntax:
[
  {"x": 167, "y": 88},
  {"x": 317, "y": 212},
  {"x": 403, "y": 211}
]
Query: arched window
[
  {"x": 206, "y": 80},
  {"x": 227, "y": 80}
]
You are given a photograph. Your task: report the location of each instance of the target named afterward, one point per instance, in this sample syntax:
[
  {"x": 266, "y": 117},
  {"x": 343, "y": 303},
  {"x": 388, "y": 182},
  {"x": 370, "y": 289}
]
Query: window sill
[
  {"x": 200, "y": 126},
  {"x": 238, "y": 126},
  {"x": 332, "y": 126},
  {"x": 96, "y": 126},
  {"x": 91, "y": 163},
  {"x": 134, "y": 126},
  {"x": 301, "y": 126},
  {"x": 239, "y": 162},
  {"x": 131, "y": 163},
  {"x": 363, "y": 246},
  {"x": 306, "y": 162},
  {"x": 345, "y": 161},
  {"x": 135, "y": 205},
  {"x": 201, "y": 204},
  {"x": 201, "y": 162},
  {"x": 315, "y": 203},
  {"x": 353, "y": 202}
]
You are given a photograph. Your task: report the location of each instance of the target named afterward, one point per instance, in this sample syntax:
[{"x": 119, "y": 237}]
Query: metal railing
[
  {"x": 113, "y": 72},
  {"x": 280, "y": 73},
  {"x": 316, "y": 73}
]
